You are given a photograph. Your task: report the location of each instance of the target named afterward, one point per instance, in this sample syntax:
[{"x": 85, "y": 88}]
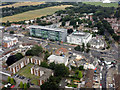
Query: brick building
[
  {"x": 44, "y": 73},
  {"x": 23, "y": 62}
]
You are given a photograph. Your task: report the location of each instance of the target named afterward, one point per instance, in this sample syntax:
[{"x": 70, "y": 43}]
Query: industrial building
[
  {"x": 48, "y": 33},
  {"x": 78, "y": 37}
]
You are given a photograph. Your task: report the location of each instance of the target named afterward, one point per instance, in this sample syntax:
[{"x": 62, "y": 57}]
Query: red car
[{"x": 12, "y": 86}]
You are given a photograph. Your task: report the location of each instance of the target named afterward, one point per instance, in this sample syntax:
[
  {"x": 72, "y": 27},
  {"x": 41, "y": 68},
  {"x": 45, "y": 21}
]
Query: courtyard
[{"x": 26, "y": 72}]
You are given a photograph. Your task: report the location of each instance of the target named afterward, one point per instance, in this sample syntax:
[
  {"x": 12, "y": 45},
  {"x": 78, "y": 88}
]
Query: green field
[
  {"x": 34, "y": 13},
  {"x": 102, "y": 4},
  {"x": 26, "y": 72}
]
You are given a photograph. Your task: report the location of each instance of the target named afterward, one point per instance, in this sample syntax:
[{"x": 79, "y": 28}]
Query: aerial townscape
[{"x": 60, "y": 45}]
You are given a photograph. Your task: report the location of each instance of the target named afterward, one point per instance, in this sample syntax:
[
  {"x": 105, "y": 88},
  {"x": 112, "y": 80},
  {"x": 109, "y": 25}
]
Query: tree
[
  {"x": 19, "y": 56},
  {"x": 46, "y": 55},
  {"x": 29, "y": 53},
  {"x": 34, "y": 51},
  {"x": 80, "y": 75},
  {"x": 78, "y": 48},
  {"x": 83, "y": 47},
  {"x": 12, "y": 81},
  {"x": 9, "y": 79},
  {"x": 28, "y": 85},
  {"x": 52, "y": 65},
  {"x": 88, "y": 45},
  {"x": 11, "y": 59},
  {"x": 11, "y": 32},
  {"x": 61, "y": 70},
  {"x": 44, "y": 64},
  {"x": 81, "y": 68},
  {"x": 8, "y": 23},
  {"x": 63, "y": 23},
  {"x": 69, "y": 31},
  {"x": 25, "y": 86},
  {"x": 87, "y": 50},
  {"x": 49, "y": 86},
  {"x": 21, "y": 84}
]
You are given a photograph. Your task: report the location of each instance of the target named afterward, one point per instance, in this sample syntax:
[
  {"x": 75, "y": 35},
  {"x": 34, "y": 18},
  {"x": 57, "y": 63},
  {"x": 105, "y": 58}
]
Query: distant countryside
[
  {"x": 103, "y": 4},
  {"x": 34, "y": 13}
]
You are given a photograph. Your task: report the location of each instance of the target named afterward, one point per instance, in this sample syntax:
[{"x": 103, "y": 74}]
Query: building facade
[
  {"x": 48, "y": 33},
  {"x": 78, "y": 37},
  {"x": 44, "y": 73},
  {"x": 9, "y": 41},
  {"x": 23, "y": 62}
]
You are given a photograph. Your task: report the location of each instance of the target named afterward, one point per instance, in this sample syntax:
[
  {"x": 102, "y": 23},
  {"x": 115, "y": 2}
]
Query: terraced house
[
  {"x": 23, "y": 62},
  {"x": 44, "y": 73}
]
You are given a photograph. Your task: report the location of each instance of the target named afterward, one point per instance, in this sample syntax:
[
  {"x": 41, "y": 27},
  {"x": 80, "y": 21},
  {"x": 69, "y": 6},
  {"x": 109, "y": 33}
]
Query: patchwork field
[
  {"x": 22, "y": 4},
  {"x": 34, "y": 13},
  {"x": 103, "y": 4}
]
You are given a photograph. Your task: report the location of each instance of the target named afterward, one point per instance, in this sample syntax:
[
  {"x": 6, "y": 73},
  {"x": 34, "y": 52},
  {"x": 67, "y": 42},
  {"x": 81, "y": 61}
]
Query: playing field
[
  {"x": 103, "y": 4},
  {"x": 22, "y": 4},
  {"x": 34, "y": 13}
]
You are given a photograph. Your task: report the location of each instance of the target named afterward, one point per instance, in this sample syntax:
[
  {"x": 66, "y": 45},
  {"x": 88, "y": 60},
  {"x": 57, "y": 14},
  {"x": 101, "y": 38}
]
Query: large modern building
[
  {"x": 48, "y": 33},
  {"x": 78, "y": 37}
]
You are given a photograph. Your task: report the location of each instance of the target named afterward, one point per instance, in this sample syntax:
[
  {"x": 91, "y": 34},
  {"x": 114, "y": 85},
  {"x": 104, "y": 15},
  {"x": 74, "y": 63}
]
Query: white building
[
  {"x": 78, "y": 37},
  {"x": 97, "y": 43},
  {"x": 58, "y": 59},
  {"x": 9, "y": 41},
  {"x": 109, "y": 1},
  {"x": 89, "y": 66}
]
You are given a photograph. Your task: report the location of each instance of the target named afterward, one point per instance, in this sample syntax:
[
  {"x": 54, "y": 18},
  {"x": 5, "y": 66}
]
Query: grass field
[
  {"x": 26, "y": 72},
  {"x": 34, "y": 13},
  {"x": 102, "y": 4},
  {"x": 22, "y": 4}
]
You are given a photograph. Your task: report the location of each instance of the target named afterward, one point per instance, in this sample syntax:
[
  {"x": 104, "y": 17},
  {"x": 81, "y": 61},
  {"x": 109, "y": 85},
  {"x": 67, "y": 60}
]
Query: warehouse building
[{"x": 48, "y": 33}]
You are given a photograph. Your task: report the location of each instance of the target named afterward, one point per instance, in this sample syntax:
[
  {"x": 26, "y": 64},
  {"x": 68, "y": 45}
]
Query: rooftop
[
  {"x": 58, "y": 59},
  {"x": 47, "y": 28},
  {"x": 47, "y": 72},
  {"x": 80, "y": 34}
]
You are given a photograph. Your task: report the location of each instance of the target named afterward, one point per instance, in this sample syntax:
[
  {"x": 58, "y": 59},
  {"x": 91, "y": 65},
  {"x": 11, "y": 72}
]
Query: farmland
[
  {"x": 34, "y": 13},
  {"x": 103, "y": 4},
  {"x": 18, "y": 4}
]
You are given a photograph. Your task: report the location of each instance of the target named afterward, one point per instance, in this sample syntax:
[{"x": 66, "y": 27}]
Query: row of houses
[
  {"x": 23, "y": 62},
  {"x": 44, "y": 73}
]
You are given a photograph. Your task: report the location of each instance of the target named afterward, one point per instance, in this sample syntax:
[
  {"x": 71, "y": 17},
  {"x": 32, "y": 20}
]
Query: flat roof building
[
  {"x": 58, "y": 59},
  {"x": 78, "y": 37},
  {"x": 56, "y": 34}
]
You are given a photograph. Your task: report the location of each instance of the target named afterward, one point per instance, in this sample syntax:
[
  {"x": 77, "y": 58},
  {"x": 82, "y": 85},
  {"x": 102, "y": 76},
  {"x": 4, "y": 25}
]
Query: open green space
[
  {"x": 34, "y": 13},
  {"x": 102, "y": 4},
  {"x": 26, "y": 72}
]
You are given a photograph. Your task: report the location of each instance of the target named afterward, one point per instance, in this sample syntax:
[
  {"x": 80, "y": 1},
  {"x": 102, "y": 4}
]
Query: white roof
[
  {"x": 57, "y": 59},
  {"x": 1, "y": 27},
  {"x": 47, "y": 28}
]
